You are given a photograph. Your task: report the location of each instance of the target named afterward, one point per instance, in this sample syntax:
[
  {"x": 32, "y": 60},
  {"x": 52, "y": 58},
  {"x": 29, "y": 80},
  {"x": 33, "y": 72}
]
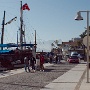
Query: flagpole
[
  {"x": 2, "y": 35},
  {"x": 21, "y": 24},
  {"x": 24, "y": 7}
]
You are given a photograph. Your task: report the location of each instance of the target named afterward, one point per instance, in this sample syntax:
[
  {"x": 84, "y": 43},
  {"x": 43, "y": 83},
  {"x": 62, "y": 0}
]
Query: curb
[{"x": 80, "y": 81}]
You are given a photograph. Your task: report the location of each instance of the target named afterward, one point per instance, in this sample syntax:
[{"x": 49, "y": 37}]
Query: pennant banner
[
  {"x": 25, "y": 7},
  {"x": 11, "y": 21}
]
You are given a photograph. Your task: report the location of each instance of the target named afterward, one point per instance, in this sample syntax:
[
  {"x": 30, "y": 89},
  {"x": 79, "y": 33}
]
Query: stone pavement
[
  {"x": 84, "y": 84},
  {"x": 71, "y": 80},
  {"x": 16, "y": 71},
  {"x": 74, "y": 79}
]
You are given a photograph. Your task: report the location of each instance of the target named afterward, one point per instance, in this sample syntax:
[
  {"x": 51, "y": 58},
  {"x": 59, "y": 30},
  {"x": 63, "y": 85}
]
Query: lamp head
[{"x": 78, "y": 17}]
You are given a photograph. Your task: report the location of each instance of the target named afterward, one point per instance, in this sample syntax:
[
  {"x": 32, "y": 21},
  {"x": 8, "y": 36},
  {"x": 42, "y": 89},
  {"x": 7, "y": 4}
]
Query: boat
[{"x": 10, "y": 58}]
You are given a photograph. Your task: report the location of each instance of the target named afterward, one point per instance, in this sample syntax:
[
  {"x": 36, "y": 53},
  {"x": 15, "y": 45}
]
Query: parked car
[
  {"x": 74, "y": 54},
  {"x": 73, "y": 59}
]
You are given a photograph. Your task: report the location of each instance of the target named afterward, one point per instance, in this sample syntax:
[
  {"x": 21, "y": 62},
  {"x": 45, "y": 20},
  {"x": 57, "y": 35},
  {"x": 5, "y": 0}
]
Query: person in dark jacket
[
  {"x": 27, "y": 63},
  {"x": 56, "y": 59},
  {"x": 33, "y": 62}
]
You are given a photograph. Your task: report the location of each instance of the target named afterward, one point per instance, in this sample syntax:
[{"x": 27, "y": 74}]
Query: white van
[{"x": 74, "y": 54}]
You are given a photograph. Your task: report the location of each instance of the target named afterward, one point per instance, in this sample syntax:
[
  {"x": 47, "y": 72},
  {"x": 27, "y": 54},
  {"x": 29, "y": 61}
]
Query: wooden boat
[{"x": 10, "y": 58}]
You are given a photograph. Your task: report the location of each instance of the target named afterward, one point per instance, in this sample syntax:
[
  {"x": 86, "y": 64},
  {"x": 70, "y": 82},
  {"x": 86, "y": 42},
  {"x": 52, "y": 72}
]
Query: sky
[{"x": 52, "y": 20}]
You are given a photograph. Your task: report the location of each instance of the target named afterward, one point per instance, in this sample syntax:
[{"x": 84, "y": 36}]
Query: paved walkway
[
  {"x": 74, "y": 79},
  {"x": 16, "y": 71},
  {"x": 71, "y": 80},
  {"x": 84, "y": 84}
]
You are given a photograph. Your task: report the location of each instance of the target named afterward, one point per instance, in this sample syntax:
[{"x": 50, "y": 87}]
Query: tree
[
  {"x": 52, "y": 45},
  {"x": 56, "y": 42},
  {"x": 83, "y": 34}
]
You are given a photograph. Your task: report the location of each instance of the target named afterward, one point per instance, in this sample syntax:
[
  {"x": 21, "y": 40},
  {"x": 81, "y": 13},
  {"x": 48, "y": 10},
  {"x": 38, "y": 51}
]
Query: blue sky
[{"x": 52, "y": 19}]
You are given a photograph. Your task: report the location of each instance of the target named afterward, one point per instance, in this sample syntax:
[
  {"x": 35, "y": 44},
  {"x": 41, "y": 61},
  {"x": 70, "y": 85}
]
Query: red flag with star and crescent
[{"x": 25, "y": 7}]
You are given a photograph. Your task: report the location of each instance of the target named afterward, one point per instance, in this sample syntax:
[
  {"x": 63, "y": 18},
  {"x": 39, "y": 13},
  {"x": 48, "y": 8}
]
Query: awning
[{"x": 15, "y": 45}]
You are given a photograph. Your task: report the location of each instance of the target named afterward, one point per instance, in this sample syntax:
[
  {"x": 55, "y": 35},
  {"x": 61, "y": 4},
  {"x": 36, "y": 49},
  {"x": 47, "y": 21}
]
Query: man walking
[
  {"x": 26, "y": 62},
  {"x": 33, "y": 62}
]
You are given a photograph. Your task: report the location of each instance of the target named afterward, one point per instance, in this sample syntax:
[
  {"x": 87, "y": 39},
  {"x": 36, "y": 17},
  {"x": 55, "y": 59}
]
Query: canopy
[
  {"x": 15, "y": 45},
  {"x": 5, "y": 51}
]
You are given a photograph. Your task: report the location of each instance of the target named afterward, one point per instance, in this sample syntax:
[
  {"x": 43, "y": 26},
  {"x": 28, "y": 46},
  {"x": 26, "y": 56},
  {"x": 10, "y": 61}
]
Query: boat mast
[
  {"x": 35, "y": 40},
  {"x": 2, "y": 35},
  {"x": 17, "y": 37},
  {"x": 24, "y": 36},
  {"x": 21, "y": 24}
]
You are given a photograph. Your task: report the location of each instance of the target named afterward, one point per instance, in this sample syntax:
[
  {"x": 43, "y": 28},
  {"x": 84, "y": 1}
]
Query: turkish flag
[{"x": 25, "y": 7}]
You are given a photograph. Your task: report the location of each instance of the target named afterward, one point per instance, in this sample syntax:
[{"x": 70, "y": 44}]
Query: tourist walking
[
  {"x": 56, "y": 59},
  {"x": 41, "y": 62},
  {"x": 50, "y": 58},
  {"x": 33, "y": 62},
  {"x": 27, "y": 63}
]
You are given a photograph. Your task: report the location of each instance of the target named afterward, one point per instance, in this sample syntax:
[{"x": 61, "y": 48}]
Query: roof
[{"x": 70, "y": 43}]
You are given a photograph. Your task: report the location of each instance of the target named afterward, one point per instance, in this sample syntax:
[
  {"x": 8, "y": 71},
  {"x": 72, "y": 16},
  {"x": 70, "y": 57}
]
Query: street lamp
[{"x": 79, "y": 17}]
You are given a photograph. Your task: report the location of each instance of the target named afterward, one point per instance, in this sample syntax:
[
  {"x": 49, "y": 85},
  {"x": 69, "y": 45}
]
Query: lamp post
[{"x": 79, "y": 17}]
